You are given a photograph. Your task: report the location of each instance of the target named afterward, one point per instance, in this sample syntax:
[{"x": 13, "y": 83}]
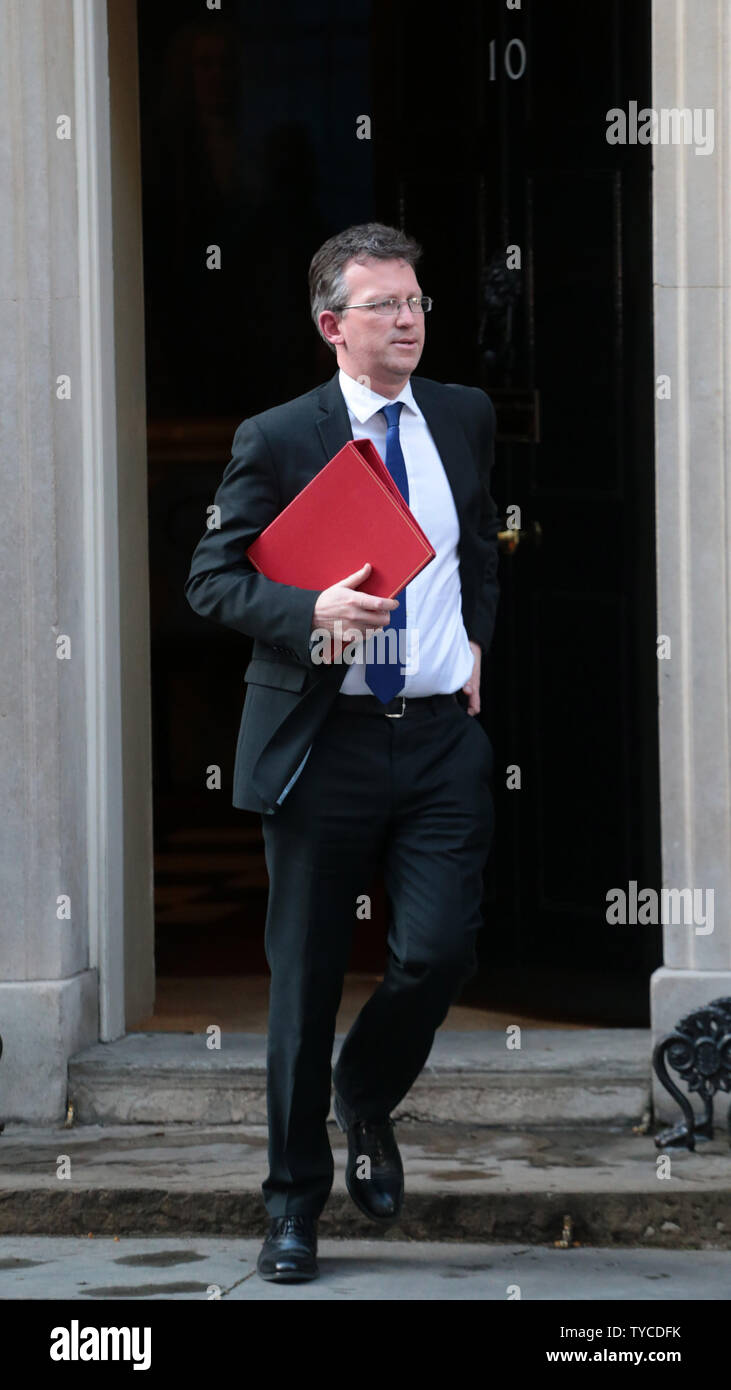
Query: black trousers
[{"x": 412, "y": 794}]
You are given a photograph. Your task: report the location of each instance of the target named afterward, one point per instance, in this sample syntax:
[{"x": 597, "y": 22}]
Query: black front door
[{"x": 492, "y": 150}]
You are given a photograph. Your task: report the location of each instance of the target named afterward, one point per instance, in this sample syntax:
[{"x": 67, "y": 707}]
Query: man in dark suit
[{"x": 358, "y": 749}]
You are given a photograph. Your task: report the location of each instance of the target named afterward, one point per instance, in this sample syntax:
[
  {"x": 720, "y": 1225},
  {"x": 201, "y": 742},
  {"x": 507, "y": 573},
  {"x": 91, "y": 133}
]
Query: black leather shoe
[
  {"x": 381, "y": 1195},
  {"x": 289, "y": 1253}
]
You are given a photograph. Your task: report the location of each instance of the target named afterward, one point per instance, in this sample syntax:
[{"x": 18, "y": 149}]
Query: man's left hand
[{"x": 472, "y": 686}]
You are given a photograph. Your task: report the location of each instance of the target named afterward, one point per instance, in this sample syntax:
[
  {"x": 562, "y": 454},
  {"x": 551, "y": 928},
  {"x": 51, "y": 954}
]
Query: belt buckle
[{"x": 401, "y": 712}]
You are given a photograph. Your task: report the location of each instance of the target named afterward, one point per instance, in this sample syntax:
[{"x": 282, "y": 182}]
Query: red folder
[{"x": 351, "y": 512}]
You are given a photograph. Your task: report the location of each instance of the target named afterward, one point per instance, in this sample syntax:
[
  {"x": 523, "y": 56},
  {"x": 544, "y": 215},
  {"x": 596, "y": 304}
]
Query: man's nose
[{"x": 405, "y": 308}]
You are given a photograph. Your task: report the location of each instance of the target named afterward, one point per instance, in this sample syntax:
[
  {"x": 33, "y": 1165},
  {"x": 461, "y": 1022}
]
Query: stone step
[
  {"x": 463, "y": 1182},
  {"x": 556, "y": 1076}
]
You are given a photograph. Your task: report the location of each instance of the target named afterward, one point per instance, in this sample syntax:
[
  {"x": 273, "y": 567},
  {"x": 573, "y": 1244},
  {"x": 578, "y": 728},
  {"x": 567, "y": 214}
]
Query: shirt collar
[{"x": 363, "y": 403}]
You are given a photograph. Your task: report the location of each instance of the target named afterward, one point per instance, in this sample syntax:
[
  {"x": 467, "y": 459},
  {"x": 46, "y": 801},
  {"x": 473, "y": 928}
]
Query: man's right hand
[{"x": 357, "y": 611}]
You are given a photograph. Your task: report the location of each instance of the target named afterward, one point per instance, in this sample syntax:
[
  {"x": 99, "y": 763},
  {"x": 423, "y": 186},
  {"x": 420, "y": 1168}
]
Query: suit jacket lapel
[
  {"x": 448, "y": 435},
  {"x": 333, "y": 424}
]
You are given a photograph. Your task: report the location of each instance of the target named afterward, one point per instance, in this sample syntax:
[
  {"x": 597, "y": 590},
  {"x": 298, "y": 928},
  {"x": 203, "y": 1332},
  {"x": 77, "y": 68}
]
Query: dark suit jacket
[{"x": 274, "y": 455}]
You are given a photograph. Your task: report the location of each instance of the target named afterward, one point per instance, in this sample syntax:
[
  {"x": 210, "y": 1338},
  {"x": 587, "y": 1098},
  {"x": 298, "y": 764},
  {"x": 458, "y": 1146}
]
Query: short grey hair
[{"x": 369, "y": 241}]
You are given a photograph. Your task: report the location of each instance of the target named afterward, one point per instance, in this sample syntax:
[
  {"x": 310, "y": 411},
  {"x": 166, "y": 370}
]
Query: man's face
[{"x": 384, "y": 348}]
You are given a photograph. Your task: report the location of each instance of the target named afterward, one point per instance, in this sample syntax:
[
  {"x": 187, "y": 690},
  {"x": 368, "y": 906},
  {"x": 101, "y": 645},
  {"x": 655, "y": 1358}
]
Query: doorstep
[
  {"x": 557, "y": 1076},
  {"x": 463, "y": 1182}
]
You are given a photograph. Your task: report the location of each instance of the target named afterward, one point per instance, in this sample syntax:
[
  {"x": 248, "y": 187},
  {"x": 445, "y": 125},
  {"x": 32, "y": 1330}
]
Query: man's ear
[{"x": 328, "y": 322}]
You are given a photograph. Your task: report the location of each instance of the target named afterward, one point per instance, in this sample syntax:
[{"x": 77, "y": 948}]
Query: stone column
[
  {"x": 62, "y": 698},
  {"x": 692, "y": 264}
]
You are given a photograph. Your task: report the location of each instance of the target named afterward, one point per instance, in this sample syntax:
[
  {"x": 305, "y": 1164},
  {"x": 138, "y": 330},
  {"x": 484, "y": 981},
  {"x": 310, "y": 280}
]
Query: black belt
[{"x": 396, "y": 708}]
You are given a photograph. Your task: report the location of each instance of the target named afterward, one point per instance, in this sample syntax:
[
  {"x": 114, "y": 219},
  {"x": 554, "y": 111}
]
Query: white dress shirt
[{"x": 438, "y": 659}]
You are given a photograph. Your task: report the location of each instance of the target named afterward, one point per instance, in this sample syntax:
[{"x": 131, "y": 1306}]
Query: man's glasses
[{"x": 418, "y": 304}]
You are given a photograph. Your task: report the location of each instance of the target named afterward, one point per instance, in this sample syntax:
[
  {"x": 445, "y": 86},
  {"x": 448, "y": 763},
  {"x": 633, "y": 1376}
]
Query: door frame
[
  {"x": 115, "y": 521},
  {"x": 114, "y": 461}
]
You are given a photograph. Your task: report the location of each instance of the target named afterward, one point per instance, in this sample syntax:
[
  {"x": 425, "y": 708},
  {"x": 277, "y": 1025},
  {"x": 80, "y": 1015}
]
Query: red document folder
[{"x": 351, "y": 512}]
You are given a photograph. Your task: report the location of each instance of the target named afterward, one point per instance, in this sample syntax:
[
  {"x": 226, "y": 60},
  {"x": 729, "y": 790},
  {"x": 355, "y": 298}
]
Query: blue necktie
[{"x": 384, "y": 678}]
